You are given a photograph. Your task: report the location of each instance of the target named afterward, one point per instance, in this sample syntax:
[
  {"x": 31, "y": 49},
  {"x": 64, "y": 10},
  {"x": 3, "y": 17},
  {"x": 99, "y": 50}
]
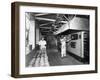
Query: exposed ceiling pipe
[
  {"x": 41, "y": 14},
  {"x": 46, "y": 19},
  {"x": 45, "y": 24}
]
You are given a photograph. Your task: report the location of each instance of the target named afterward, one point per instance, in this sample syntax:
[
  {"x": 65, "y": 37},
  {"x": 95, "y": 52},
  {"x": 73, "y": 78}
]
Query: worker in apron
[
  {"x": 63, "y": 46},
  {"x": 42, "y": 44}
]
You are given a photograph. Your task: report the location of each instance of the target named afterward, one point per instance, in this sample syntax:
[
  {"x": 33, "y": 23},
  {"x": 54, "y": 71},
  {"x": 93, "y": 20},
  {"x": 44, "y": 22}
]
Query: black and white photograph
[{"x": 56, "y": 39}]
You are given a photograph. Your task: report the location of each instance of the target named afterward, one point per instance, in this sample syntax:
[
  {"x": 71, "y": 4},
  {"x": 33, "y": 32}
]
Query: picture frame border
[{"x": 15, "y": 38}]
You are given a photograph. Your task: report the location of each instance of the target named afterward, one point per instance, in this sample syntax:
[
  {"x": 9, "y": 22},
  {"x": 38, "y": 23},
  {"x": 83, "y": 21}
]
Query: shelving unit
[{"x": 86, "y": 47}]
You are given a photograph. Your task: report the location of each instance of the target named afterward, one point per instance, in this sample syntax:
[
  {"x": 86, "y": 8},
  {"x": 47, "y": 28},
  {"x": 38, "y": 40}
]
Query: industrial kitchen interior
[{"x": 73, "y": 28}]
